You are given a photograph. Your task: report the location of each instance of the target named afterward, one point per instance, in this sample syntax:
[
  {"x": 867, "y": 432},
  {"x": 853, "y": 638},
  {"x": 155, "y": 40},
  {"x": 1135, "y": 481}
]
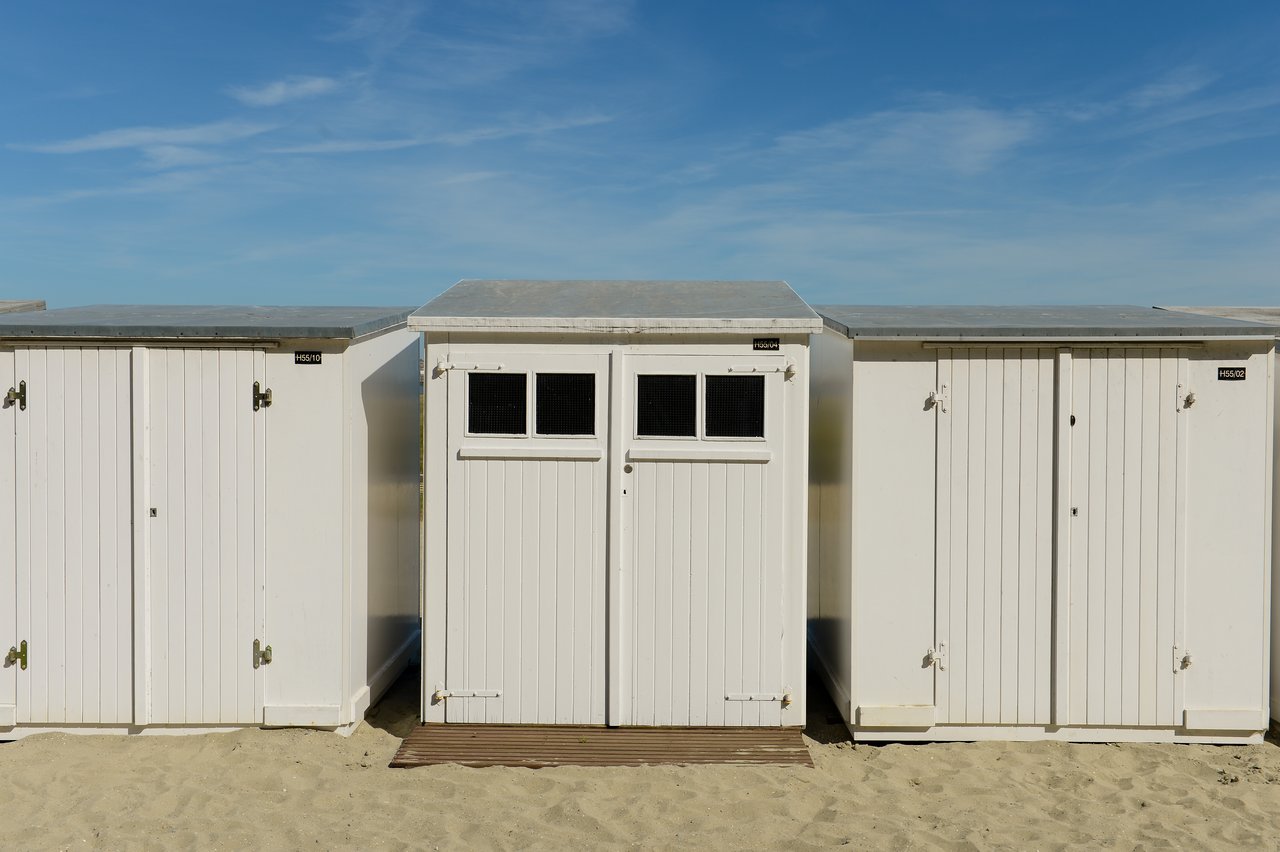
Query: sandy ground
[{"x": 313, "y": 790}]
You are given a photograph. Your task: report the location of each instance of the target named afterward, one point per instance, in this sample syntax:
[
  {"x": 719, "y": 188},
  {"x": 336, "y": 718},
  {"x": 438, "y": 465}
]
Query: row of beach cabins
[{"x": 642, "y": 504}]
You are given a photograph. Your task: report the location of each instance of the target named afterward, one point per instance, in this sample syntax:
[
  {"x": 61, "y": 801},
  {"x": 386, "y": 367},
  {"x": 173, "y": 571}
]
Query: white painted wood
[
  {"x": 1060, "y": 555},
  {"x": 899, "y": 716},
  {"x": 526, "y": 570},
  {"x": 1216, "y": 719},
  {"x": 995, "y": 507},
  {"x": 74, "y": 541},
  {"x": 531, "y": 453},
  {"x": 143, "y": 646},
  {"x": 9, "y": 412},
  {"x": 1125, "y": 474},
  {"x": 204, "y": 477},
  {"x": 735, "y": 515}
]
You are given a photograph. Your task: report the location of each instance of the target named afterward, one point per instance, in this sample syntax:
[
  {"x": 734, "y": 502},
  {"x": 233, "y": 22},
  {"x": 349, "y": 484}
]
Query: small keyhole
[
  {"x": 1075, "y": 512},
  {"x": 1073, "y": 420},
  {"x": 153, "y": 511}
]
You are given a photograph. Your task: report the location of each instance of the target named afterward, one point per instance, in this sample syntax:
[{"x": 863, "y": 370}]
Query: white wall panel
[
  {"x": 8, "y": 542},
  {"x": 995, "y": 523},
  {"x": 74, "y": 545},
  {"x": 205, "y": 564}
]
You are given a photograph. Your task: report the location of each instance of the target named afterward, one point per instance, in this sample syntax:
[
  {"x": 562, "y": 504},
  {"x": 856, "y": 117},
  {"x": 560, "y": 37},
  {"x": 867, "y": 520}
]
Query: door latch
[
  {"x": 261, "y": 655},
  {"x": 17, "y": 655},
  {"x": 936, "y": 657},
  {"x": 18, "y": 395},
  {"x": 1181, "y": 659},
  {"x": 261, "y": 398}
]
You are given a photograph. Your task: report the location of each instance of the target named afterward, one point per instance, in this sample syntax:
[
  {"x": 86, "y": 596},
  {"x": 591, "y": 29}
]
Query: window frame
[
  {"x": 700, "y": 408},
  {"x": 533, "y": 409}
]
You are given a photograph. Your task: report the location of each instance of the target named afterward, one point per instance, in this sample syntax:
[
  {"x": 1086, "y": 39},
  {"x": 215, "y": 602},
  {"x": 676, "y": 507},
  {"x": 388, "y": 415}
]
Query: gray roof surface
[
  {"x": 981, "y": 321},
  {"x": 12, "y": 306},
  {"x": 1258, "y": 313},
  {"x": 204, "y": 322},
  {"x": 617, "y": 306}
]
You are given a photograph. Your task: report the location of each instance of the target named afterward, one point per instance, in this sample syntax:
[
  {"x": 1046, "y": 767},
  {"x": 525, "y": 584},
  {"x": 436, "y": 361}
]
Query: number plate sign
[
  {"x": 765, "y": 344},
  {"x": 1231, "y": 374},
  {"x": 306, "y": 357}
]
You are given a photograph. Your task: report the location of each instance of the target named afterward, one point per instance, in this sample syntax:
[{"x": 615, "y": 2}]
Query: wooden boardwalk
[{"x": 539, "y": 746}]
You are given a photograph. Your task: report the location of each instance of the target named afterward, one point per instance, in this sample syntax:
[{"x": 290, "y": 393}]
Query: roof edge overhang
[{"x": 619, "y": 325}]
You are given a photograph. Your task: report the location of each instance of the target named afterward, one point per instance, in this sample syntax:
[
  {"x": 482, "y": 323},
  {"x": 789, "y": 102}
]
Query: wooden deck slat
[{"x": 537, "y": 746}]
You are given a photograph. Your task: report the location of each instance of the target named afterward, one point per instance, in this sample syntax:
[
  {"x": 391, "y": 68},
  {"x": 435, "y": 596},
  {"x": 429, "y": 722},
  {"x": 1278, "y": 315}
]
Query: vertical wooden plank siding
[
  {"x": 995, "y": 521},
  {"x": 525, "y": 569},
  {"x": 1126, "y": 476},
  {"x": 705, "y": 572},
  {"x": 74, "y": 567},
  {"x": 205, "y": 472}
]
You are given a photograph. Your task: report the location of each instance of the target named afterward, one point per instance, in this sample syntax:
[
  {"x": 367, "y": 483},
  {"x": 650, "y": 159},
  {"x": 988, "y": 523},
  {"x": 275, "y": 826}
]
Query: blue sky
[{"x": 884, "y": 152}]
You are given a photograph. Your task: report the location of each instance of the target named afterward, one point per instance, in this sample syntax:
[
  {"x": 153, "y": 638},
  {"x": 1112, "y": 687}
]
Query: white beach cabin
[
  {"x": 615, "y": 502},
  {"x": 1042, "y": 523},
  {"x": 1267, "y": 316},
  {"x": 208, "y": 516}
]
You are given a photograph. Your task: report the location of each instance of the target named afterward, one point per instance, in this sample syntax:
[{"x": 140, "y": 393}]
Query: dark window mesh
[
  {"x": 566, "y": 404},
  {"x": 735, "y": 406},
  {"x": 496, "y": 403},
  {"x": 666, "y": 405}
]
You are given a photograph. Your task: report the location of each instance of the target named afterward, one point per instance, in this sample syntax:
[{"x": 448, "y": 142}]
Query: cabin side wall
[{"x": 382, "y": 402}]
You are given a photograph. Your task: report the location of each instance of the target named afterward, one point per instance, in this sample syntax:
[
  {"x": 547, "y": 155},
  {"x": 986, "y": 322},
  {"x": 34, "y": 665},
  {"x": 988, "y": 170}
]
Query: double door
[
  {"x": 614, "y": 552},
  {"x": 130, "y": 536},
  {"x": 1060, "y": 571}
]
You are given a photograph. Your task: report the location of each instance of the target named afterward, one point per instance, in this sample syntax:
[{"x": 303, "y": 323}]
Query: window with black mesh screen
[
  {"x": 735, "y": 406},
  {"x": 565, "y": 404},
  {"x": 496, "y": 403},
  {"x": 666, "y": 406}
]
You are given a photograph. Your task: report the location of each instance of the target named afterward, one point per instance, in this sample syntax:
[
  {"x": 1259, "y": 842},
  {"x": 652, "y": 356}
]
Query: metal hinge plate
[
  {"x": 1181, "y": 659},
  {"x": 18, "y": 395},
  {"x": 441, "y": 693},
  {"x": 784, "y": 697},
  {"x": 936, "y": 657},
  {"x": 940, "y": 399},
  {"x": 261, "y": 656},
  {"x": 261, "y": 398},
  {"x": 17, "y": 654}
]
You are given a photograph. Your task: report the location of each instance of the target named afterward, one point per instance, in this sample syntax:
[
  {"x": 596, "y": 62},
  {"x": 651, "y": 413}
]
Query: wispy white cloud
[
  {"x": 177, "y": 156},
  {"x": 276, "y": 92},
  {"x": 213, "y": 133},
  {"x": 521, "y": 127},
  {"x": 348, "y": 146},
  {"x": 965, "y": 140}
]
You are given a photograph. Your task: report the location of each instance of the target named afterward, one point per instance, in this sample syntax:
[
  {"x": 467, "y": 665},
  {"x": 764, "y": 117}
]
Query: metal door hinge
[
  {"x": 261, "y": 655},
  {"x": 1181, "y": 659},
  {"x": 936, "y": 657},
  {"x": 1186, "y": 398},
  {"x": 18, "y": 395},
  {"x": 441, "y": 693},
  {"x": 788, "y": 369},
  {"x": 784, "y": 697},
  {"x": 261, "y": 398},
  {"x": 444, "y": 365},
  {"x": 938, "y": 398},
  {"x": 17, "y": 655}
]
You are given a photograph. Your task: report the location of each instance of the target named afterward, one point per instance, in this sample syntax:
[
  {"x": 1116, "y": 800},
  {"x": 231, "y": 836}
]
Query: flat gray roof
[
  {"x": 1258, "y": 313},
  {"x": 951, "y": 322},
  {"x": 14, "y": 306},
  {"x": 206, "y": 322},
  {"x": 618, "y": 306}
]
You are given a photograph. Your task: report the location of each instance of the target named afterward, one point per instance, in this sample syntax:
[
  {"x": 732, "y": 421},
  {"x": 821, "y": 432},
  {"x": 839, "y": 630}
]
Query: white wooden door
[
  {"x": 205, "y": 537},
  {"x": 702, "y": 580},
  {"x": 8, "y": 545},
  {"x": 526, "y": 539},
  {"x": 74, "y": 546},
  {"x": 1125, "y": 499},
  {"x": 995, "y": 500}
]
